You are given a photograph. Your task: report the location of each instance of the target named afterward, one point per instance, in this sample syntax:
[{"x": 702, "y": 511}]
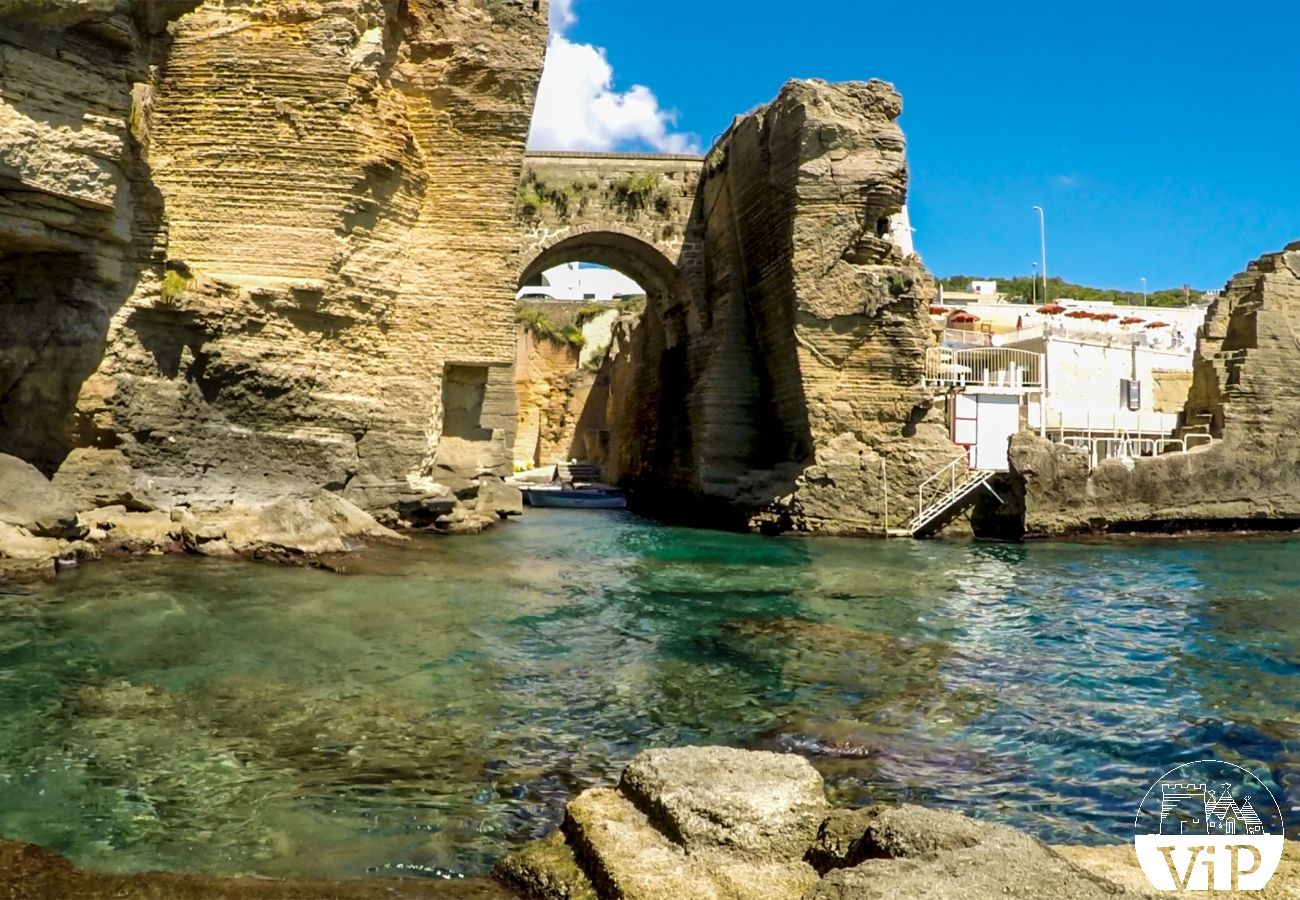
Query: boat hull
[{"x": 574, "y": 499}]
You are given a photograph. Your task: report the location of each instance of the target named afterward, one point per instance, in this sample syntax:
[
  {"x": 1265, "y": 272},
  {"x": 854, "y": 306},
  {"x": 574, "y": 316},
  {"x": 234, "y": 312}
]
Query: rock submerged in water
[{"x": 716, "y": 823}]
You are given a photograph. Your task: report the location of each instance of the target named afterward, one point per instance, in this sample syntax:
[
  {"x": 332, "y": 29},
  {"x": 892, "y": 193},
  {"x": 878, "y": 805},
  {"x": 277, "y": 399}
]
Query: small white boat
[{"x": 558, "y": 497}]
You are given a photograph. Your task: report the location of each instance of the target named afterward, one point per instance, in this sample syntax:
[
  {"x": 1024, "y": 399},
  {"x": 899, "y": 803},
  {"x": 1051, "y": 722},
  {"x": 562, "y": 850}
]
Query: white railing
[
  {"x": 942, "y": 483},
  {"x": 941, "y": 492},
  {"x": 1123, "y": 447},
  {"x": 985, "y": 366},
  {"x": 1086, "y": 330}
]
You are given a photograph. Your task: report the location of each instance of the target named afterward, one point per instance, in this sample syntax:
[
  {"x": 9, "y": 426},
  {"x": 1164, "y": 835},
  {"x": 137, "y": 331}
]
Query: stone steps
[{"x": 584, "y": 472}]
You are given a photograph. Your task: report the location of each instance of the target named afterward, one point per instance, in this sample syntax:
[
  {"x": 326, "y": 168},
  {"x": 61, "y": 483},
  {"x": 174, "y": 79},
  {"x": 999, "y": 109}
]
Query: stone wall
[
  {"x": 775, "y": 391},
  {"x": 589, "y": 206},
  {"x": 1245, "y": 391},
  {"x": 331, "y": 185}
]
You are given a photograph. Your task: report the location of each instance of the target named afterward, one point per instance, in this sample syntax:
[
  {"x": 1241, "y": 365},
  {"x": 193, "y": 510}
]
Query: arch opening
[{"x": 578, "y": 301}]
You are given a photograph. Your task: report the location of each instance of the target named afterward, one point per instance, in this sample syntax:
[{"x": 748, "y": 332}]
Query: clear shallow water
[{"x": 442, "y": 703}]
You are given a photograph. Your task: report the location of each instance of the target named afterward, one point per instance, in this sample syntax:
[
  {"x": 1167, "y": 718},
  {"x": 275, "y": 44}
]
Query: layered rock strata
[
  {"x": 260, "y": 249},
  {"x": 41, "y": 529},
  {"x": 560, "y": 418},
  {"x": 777, "y": 386},
  {"x": 1245, "y": 396}
]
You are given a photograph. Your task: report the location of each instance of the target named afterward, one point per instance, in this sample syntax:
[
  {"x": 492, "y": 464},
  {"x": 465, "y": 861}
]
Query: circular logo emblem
[{"x": 1209, "y": 825}]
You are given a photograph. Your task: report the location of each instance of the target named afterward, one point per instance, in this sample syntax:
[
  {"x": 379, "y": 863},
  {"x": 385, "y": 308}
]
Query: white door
[{"x": 997, "y": 419}]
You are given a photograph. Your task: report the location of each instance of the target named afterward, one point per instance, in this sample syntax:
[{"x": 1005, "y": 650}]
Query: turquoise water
[{"x": 441, "y": 703}]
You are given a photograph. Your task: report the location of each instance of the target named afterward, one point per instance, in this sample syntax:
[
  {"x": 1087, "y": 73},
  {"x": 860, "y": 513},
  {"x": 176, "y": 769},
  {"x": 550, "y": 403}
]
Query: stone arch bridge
[{"x": 634, "y": 212}]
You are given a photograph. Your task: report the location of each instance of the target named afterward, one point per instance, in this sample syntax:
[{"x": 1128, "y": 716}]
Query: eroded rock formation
[
  {"x": 779, "y": 386},
  {"x": 560, "y": 418},
  {"x": 1245, "y": 394},
  {"x": 259, "y": 249},
  {"x": 715, "y": 822}
]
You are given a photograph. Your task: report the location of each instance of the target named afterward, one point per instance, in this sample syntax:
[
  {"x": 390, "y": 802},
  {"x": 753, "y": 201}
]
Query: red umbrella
[
  {"x": 964, "y": 317},
  {"x": 1051, "y": 309},
  {"x": 938, "y": 310},
  {"x": 1105, "y": 317},
  {"x": 1078, "y": 314},
  {"x": 1131, "y": 320},
  {"x": 1157, "y": 325}
]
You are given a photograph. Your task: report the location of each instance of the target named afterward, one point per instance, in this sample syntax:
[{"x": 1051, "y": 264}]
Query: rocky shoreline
[
  {"x": 699, "y": 823},
  {"x": 716, "y": 822},
  {"x": 96, "y": 507}
]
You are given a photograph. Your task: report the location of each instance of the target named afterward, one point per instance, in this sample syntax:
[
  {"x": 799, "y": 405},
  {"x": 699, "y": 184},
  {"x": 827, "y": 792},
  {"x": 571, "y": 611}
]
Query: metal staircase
[{"x": 947, "y": 494}]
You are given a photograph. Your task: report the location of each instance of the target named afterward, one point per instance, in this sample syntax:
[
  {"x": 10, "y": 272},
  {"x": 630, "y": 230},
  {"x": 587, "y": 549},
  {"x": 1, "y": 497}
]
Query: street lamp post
[
  {"x": 1042, "y": 236},
  {"x": 1144, "y": 291},
  {"x": 1033, "y": 285}
]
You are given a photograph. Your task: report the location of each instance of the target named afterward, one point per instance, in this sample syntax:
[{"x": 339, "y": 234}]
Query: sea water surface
[{"x": 440, "y": 705}]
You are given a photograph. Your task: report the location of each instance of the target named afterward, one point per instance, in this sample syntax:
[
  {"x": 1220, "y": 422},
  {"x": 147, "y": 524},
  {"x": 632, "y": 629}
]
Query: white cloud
[
  {"x": 578, "y": 108},
  {"x": 561, "y": 15}
]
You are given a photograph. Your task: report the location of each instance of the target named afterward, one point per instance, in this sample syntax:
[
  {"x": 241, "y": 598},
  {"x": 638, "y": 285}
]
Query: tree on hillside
[{"x": 1020, "y": 289}]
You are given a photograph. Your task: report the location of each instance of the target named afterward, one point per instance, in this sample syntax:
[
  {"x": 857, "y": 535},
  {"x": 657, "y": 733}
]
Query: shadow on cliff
[
  {"x": 65, "y": 274},
  {"x": 704, "y": 425}
]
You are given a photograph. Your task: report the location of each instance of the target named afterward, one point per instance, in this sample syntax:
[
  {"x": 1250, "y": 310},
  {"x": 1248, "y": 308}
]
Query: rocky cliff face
[
  {"x": 265, "y": 246},
  {"x": 1245, "y": 393},
  {"x": 780, "y": 387}
]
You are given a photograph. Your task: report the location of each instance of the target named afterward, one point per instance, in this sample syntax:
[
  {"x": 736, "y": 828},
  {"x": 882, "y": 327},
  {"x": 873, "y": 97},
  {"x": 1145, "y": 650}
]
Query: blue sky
[{"x": 1161, "y": 136}]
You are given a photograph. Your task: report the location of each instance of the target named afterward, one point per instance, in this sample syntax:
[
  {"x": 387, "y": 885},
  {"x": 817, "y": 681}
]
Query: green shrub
[
  {"x": 630, "y": 305},
  {"x": 898, "y": 285},
  {"x": 566, "y": 199},
  {"x": 536, "y": 321},
  {"x": 592, "y": 311},
  {"x": 635, "y": 192},
  {"x": 174, "y": 286},
  {"x": 530, "y": 202}
]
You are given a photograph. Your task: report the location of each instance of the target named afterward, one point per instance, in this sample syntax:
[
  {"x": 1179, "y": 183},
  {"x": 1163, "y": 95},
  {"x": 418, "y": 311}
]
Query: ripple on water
[{"x": 442, "y": 704}]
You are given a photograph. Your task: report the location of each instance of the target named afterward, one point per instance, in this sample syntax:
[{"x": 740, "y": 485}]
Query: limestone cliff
[
  {"x": 779, "y": 387},
  {"x": 265, "y": 246},
  {"x": 560, "y": 418},
  {"x": 1245, "y": 393}
]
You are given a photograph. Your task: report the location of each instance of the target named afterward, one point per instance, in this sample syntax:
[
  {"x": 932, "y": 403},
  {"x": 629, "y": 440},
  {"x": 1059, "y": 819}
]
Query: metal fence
[{"x": 983, "y": 366}]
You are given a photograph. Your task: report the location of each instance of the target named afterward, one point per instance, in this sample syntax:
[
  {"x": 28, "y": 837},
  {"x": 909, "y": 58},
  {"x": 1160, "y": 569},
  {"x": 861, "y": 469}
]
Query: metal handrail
[
  {"x": 949, "y": 470},
  {"x": 1128, "y": 446}
]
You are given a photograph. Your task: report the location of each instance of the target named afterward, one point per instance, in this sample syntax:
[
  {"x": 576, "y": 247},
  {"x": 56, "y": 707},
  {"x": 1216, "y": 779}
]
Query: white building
[
  {"x": 576, "y": 281},
  {"x": 901, "y": 231}
]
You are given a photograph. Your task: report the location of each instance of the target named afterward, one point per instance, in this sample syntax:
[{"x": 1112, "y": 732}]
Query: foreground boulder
[
  {"x": 715, "y": 823},
  {"x": 911, "y": 851},
  {"x": 29, "y": 501},
  {"x": 759, "y": 806},
  {"x": 698, "y": 822}
]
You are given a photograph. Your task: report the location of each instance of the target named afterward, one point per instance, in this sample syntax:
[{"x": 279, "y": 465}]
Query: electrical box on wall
[{"x": 1131, "y": 393}]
